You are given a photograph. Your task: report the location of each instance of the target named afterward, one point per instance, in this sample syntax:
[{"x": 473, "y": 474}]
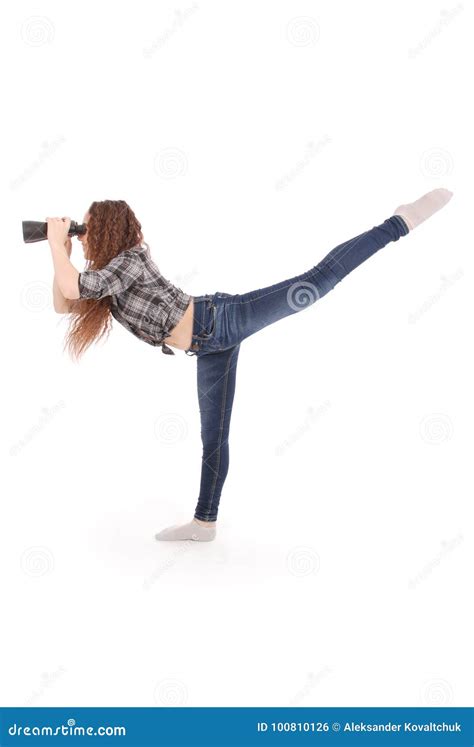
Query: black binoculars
[{"x": 34, "y": 230}]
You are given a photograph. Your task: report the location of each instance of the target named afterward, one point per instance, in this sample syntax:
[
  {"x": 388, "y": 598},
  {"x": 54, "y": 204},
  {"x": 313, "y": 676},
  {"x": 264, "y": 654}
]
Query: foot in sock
[
  {"x": 414, "y": 213},
  {"x": 194, "y": 530}
]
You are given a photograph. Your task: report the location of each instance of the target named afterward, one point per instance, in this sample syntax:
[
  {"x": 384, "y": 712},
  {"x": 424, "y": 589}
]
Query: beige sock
[
  {"x": 414, "y": 213},
  {"x": 192, "y": 531}
]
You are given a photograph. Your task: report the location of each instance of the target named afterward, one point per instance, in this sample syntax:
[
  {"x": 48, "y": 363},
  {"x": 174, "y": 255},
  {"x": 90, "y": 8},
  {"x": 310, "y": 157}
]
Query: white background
[{"x": 250, "y": 139}]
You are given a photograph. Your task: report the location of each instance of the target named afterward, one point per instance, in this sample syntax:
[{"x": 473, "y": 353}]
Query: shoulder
[
  {"x": 128, "y": 257},
  {"x": 140, "y": 250},
  {"x": 137, "y": 253}
]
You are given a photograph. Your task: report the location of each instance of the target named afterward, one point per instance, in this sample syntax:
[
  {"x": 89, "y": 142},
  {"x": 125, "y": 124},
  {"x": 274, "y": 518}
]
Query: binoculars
[{"x": 34, "y": 230}]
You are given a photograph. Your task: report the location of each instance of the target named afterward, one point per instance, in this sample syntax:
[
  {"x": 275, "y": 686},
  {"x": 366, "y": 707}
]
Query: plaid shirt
[{"x": 141, "y": 299}]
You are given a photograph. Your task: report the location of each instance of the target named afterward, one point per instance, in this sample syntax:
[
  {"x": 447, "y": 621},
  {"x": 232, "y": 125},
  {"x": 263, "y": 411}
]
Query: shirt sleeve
[{"x": 118, "y": 275}]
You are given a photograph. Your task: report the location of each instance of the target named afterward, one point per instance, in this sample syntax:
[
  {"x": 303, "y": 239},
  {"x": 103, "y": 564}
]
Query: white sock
[
  {"x": 192, "y": 531},
  {"x": 414, "y": 213}
]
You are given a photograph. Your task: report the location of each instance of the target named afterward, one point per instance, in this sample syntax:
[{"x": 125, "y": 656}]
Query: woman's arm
[
  {"x": 65, "y": 273},
  {"x": 61, "y": 304}
]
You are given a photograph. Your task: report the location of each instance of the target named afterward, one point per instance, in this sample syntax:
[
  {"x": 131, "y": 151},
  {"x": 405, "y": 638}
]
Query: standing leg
[
  {"x": 216, "y": 379},
  {"x": 216, "y": 373}
]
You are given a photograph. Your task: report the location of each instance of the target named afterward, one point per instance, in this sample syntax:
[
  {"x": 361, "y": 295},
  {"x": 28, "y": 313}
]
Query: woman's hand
[{"x": 58, "y": 230}]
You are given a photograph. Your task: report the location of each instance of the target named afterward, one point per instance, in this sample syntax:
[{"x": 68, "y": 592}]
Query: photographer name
[{"x": 406, "y": 726}]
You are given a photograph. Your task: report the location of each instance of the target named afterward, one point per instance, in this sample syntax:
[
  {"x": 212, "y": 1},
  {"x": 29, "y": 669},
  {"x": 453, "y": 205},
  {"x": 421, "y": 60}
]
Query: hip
[
  {"x": 208, "y": 309},
  {"x": 181, "y": 335}
]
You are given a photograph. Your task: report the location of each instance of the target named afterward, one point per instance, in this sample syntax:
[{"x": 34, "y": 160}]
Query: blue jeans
[{"x": 223, "y": 320}]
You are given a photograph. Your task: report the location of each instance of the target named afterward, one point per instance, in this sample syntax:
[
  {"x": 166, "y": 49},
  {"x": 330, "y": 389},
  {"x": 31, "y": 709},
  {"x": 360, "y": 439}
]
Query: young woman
[{"x": 121, "y": 280}]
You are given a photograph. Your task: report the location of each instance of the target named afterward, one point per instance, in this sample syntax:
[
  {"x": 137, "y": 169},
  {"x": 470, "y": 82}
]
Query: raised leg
[{"x": 245, "y": 314}]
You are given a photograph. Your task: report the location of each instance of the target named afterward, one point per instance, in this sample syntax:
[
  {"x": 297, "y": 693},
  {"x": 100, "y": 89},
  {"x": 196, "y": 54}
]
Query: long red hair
[{"x": 112, "y": 228}]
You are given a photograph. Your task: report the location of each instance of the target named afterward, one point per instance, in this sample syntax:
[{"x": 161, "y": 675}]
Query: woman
[{"x": 122, "y": 281}]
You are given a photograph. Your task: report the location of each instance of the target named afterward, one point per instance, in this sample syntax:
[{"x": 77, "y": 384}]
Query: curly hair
[{"x": 112, "y": 228}]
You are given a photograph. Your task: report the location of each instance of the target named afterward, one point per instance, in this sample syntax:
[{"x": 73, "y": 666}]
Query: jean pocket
[{"x": 211, "y": 324}]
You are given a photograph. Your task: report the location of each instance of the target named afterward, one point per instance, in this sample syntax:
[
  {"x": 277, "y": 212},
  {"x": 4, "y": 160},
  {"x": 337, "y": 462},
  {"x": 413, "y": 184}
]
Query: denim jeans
[{"x": 223, "y": 320}]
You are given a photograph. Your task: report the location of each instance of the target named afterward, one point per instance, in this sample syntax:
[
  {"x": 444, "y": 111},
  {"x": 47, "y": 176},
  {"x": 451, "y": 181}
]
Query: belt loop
[{"x": 203, "y": 318}]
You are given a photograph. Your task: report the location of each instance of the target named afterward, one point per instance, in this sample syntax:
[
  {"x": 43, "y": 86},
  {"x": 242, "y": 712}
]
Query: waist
[{"x": 181, "y": 334}]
